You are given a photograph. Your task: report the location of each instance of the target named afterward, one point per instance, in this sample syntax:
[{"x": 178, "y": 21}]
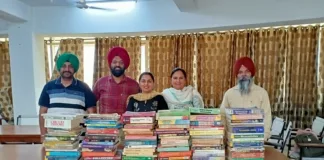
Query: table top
[
  {"x": 272, "y": 154},
  {"x": 19, "y": 130},
  {"x": 23, "y": 152}
]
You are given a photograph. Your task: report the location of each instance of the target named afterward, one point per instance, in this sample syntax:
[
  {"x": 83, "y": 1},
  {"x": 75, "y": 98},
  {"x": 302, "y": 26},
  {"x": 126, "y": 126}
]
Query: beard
[
  {"x": 117, "y": 71},
  {"x": 66, "y": 75},
  {"x": 244, "y": 85}
]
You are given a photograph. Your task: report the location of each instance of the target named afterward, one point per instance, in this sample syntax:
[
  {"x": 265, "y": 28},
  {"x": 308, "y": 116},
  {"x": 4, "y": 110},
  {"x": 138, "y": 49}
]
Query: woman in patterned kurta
[{"x": 148, "y": 99}]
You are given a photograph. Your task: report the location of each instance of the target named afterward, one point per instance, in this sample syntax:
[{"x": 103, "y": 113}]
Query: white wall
[{"x": 163, "y": 15}]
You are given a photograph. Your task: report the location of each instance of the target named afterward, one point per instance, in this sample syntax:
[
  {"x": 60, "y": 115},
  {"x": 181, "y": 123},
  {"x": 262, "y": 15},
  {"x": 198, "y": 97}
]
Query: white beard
[{"x": 244, "y": 85}]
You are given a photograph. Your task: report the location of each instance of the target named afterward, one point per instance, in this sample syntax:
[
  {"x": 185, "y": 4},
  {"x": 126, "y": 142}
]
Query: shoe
[{"x": 294, "y": 155}]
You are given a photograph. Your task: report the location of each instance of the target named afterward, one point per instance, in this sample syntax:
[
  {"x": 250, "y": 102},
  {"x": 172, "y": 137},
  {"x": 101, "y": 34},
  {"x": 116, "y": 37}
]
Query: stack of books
[
  {"x": 173, "y": 134},
  {"x": 207, "y": 134},
  {"x": 63, "y": 135},
  {"x": 245, "y": 133},
  {"x": 140, "y": 141},
  {"x": 102, "y": 137}
]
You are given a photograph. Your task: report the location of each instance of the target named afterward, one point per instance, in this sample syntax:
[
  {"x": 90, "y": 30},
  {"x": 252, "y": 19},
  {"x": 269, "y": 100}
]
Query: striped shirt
[{"x": 76, "y": 98}]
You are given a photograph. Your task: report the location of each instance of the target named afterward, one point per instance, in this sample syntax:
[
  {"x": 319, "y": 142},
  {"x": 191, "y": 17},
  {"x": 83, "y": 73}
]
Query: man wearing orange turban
[
  {"x": 112, "y": 91},
  {"x": 246, "y": 94}
]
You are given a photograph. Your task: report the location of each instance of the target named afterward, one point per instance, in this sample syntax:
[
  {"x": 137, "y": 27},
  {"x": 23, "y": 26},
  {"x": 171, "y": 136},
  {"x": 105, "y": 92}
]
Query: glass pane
[{"x": 88, "y": 59}]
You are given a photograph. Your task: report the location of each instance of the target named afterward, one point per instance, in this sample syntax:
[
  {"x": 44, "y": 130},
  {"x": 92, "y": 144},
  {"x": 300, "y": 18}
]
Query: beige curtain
[
  {"x": 6, "y": 108},
  {"x": 241, "y": 48},
  {"x": 300, "y": 67},
  {"x": 162, "y": 59},
  {"x": 320, "y": 111},
  {"x": 5, "y": 76},
  {"x": 268, "y": 50},
  {"x": 214, "y": 60},
  {"x": 185, "y": 52},
  {"x": 133, "y": 47},
  {"x": 48, "y": 78},
  {"x": 131, "y": 44},
  {"x": 74, "y": 46}
]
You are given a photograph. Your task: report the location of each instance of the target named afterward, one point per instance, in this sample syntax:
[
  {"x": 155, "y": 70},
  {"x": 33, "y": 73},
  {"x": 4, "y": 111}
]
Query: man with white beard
[{"x": 246, "y": 94}]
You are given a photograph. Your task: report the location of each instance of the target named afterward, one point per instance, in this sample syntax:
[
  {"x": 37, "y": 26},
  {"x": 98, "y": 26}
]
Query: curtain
[
  {"x": 131, "y": 44},
  {"x": 185, "y": 52},
  {"x": 268, "y": 50},
  {"x": 214, "y": 61},
  {"x": 300, "y": 86},
  {"x": 6, "y": 108},
  {"x": 320, "y": 111},
  {"x": 133, "y": 47},
  {"x": 5, "y": 76},
  {"x": 47, "y": 75},
  {"x": 241, "y": 47},
  {"x": 74, "y": 46},
  {"x": 162, "y": 59}
]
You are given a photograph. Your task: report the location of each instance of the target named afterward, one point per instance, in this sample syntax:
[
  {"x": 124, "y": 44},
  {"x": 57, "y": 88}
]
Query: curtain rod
[{"x": 195, "y": 33}]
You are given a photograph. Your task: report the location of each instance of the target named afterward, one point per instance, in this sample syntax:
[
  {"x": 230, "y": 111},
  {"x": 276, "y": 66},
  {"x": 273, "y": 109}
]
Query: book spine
[
  {"x": 173, "y": 117},
  {"x": 208, "y": 132},
  {"x": 139, "y": 114},
  {"x": 205, "y": 110},
  {"x": 113, "y": 142},
  {"x": 248, "y": 144},
  {"x": 205, "y": 123},
  {"x": 92, "y": 146},
  {"x": 247, "y": 136},
  {"x": 172, "y": 135},
  {"x": 243, "y": 111},
  {"x": 137, "y": 158},
  {"x": 138, "y": 120},
  {"x": 247, "y": 121},
  {"x": 245, "y": 117},
  {"x": 205, "y": 117},
  {"x": 247, "y": 155},
  {"x": 63, "y": 153},
  {"x": 178, "y": 122},
  {"x": 135, "y": 143},
  {"x": 247, "y": 129},
  {"x": 55, "y": 123}
]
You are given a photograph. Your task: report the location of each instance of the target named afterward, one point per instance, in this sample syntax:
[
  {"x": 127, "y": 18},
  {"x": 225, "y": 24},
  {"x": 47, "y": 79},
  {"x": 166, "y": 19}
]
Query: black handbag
[{"x": 309, "y": 151}]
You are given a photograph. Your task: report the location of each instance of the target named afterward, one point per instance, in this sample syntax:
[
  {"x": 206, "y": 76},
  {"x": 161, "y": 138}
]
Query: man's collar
[
  {"x": 58, "y": 81},
  {"x": 111, "y": 78}
]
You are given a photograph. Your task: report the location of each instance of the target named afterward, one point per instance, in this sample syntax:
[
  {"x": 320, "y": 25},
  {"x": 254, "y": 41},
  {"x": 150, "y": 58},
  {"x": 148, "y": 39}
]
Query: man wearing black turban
[{"x": 66, "y": 94}]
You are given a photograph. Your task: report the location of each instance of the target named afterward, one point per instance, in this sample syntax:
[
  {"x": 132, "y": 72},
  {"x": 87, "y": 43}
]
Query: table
[
  {"x": 22, "y": 152},
  {"x": 19, "y": 134},
  {"x": 271, "y": 153}
]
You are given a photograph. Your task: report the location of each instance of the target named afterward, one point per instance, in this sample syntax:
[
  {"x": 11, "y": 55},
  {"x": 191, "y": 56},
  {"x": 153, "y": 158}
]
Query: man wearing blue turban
[{"x": 66, "y": 94}]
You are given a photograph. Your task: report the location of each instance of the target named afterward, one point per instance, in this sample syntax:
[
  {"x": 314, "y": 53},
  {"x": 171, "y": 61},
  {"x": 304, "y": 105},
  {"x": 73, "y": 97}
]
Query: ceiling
[{"x": 56, "y": 2}]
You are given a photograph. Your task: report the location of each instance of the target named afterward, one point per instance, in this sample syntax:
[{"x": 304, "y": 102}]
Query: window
[{"x": 88, "y": 62}]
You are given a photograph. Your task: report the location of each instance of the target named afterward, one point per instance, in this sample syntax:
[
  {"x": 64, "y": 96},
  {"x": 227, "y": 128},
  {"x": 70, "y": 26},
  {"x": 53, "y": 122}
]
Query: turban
[
  {"x": 67, "y": 57},
  {"x": 121, "y": 52},
  {"x": 246, "y": 62}
]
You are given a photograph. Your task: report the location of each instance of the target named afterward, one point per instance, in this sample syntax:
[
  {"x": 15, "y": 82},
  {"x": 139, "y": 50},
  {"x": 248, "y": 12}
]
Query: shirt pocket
[{"x": 256, "y": 102}]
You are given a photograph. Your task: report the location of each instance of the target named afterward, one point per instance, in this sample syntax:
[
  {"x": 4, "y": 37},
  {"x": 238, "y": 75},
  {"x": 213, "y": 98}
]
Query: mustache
[
  {"x": 118, "y": 68},
  {"x": 67, "y": 72}
]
